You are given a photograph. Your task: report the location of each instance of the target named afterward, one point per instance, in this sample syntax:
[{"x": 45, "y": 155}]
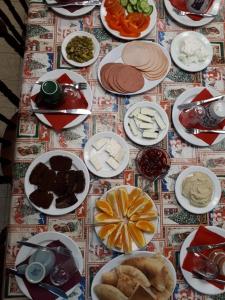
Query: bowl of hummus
[{"x": 198, "y": 189}]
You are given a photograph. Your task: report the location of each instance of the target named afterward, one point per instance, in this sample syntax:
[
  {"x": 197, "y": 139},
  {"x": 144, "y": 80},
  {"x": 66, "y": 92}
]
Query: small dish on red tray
[
  {"x": 69, "y": 11},
  {"x": 188, "y": 260},
  {"x": 72, "y": 99},
  {"x": 202, "y": 139},
  {"x": 190, "y": 20}
]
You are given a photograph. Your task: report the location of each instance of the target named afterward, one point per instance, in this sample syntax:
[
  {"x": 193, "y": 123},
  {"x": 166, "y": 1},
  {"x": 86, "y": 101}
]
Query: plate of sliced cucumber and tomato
[{"x": 128, "y": 19}]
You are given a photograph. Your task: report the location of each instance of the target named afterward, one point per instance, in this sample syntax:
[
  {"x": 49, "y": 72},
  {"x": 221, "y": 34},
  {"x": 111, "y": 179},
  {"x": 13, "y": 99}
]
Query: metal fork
[
  {"x": 197, "y": 131},
  {"x": 187, "y": 13},
  {"x": 76, "y": 86},
  {"x": 59, "y": 249}
]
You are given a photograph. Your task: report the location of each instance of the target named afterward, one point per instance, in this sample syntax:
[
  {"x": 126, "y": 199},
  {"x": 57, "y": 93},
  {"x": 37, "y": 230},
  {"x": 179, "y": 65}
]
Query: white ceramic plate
[
  {"x": 118, "y": 260},
  {"x": 148, "y": 236},
  {"x": 54, "y": 75},
  {"x": 65, "y": 12},
  {"x": 77, "y": 164},
  {"x": 44, "y": 239},
  {"x": 95, "y": 52},
  {"x": 186, "y": 97},
  {"x": 185, "y": 202},
  {"x": 114, "y": 56},
  {"x": 139, "y": 139},
  {"x": 185, "y": 20},
  {"x": 177, "y": 43},
  {"x": 199, "y": 285},
  {"x": 153, "y": 19},
  {"x": 106, "y": 171}
]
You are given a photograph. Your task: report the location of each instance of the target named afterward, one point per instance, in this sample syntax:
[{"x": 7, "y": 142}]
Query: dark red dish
[{"x": 153, "y": 163}]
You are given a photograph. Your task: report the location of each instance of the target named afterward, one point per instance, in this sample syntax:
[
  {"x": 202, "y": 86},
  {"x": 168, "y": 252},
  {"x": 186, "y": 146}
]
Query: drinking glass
[{"x": 62, "y": 272}]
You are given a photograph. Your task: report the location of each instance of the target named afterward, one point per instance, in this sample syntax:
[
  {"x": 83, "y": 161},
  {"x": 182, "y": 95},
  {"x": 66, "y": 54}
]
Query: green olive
[{"x": 80, "y": 49}]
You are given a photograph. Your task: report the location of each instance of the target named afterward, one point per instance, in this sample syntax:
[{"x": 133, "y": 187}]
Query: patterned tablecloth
[{"x": 45, "y": 33}]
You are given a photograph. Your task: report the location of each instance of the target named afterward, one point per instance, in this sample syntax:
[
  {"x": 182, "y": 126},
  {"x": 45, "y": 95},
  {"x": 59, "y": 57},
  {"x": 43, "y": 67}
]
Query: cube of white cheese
[
  {"x": 144, "y": 118},
  {"x": 148, "y": 111},
  {"x": 112, "y": 163},
  {"x": 100, "y": 143},
  {"x": 133, "y": 127},
  {"x": 149, "y": 134},
  {"x": 159, "y": 121},
  {"x": 95, "y": 161},
  {"x": 144, "y": 125},
  {"x": 135, "y": 112},
  {"x": 119, "y": 156}
]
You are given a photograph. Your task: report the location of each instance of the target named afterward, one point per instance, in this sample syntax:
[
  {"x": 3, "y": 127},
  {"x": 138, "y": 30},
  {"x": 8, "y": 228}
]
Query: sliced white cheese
[
  {"x": 148, "y": 111},
  {"x": 159, "y": 121},
  {"x": 99, "y": 143},
  {"x": 137, "y": 122},
  {"x": 144, "y": 118},
  {"x": 135, "y": 112},
  {"x": 113, "y": 147},
  {"x": 112, "y": 163},
  {"x": 133, "y": 127},
  {"x": 149, "y": 134},
  {"x": 95, "y": 161},
  {"x": 144, "y": 125},
  {"x": 119, "y": 156}
]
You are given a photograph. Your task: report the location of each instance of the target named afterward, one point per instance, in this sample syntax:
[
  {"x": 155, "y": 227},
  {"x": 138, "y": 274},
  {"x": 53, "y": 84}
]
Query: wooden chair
[{"x": 15, "y": 40}]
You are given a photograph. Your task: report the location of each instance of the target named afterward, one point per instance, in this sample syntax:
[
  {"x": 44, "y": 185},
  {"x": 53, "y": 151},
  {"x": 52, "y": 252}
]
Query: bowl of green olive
[{"x": 80, "y": 49}]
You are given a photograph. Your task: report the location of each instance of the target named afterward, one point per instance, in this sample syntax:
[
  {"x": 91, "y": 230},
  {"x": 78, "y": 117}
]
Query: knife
[
  {"x": 79, "y": 3},
  {"x": 204, "y": 247},
  {"x": 79, "y": 111},
  {"x": 52, "y": 289},
  {"x": 191, "y": 104}
]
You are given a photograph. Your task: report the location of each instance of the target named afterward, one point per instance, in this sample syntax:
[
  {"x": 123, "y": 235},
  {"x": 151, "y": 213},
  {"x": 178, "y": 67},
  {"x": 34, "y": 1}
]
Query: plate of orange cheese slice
[
  {"x": 125, "y": 218},
  {"x": 134, "y": 68}
]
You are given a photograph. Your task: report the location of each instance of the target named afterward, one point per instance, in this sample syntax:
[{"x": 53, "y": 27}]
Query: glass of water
[{"x": 62, "y": 272}]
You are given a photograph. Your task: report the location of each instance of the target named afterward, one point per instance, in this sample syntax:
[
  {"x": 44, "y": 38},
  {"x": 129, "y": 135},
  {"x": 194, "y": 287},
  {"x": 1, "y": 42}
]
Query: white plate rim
[
  {"x": 186, "y": 97},
  {"x": 123, "y": 164},
  {"x": 53, "y": 75},
  {"x": 185, "y": 20},
  {"x": 115, "y": 56},
  {"x": 52, "y": 211},
  {"x": 193, "y": 67},
  {"x": 80, "y": 33},
  {"x": 184, "y": 202},
  {"x": 199, "y": 285},
  {"x": 142, "y": 141},
  {"x": 64, "y": 12},
  {"x": 119, "y": 259},
  {"x": 153, "y": 20},
  {"x": 44, "y": 238},
  {"x": 148, "y": 236}
]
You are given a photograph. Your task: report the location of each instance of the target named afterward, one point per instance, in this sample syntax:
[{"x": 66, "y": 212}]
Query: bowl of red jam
[{"x": 153, "y": 163}]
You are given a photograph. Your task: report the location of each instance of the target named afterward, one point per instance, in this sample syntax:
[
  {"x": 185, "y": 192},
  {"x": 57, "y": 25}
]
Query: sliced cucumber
[
  {"x": 124, "y": 2},
  {"x": 133, "y": 2},
  {"x": 129, "y": 8},
  {"x": 144, "y": 6},
  {"x": 149, "y": 10},
  {"x": 135, "y": 7}
]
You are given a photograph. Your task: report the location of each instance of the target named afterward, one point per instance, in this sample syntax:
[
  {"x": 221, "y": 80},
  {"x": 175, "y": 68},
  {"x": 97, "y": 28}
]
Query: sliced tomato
[
  {"x": 116, "y": 9},
  {"x": 109, "y": 3},
  {"x": 129, "y": 34},
  {"x": 145, "y": 24},
  {"x": 113, "y": 21}
]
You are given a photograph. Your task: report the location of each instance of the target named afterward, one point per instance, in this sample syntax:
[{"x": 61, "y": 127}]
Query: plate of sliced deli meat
[{"x": 134, "y": 68}]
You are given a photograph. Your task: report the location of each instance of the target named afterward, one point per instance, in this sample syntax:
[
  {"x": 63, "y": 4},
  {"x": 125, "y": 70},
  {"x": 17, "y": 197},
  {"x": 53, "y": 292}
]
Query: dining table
[{"x": 45, "y": 33}]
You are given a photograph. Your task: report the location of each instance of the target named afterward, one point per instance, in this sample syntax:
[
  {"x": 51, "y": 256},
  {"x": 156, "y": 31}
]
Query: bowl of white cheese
[{"x": 191, "y": 51}]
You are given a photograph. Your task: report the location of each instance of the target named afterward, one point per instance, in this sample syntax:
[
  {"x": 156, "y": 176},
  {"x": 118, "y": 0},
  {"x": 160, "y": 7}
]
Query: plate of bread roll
[{"x": 141, "y": 275}]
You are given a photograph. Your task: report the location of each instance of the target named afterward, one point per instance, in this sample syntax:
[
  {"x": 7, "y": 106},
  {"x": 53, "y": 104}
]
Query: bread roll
[
  {"x": 108, "y": 292},
  {"x": 110, "y": 278},
  {"x": 126, "y": 284},
  {"x": 142, "y": 293},
  {"x": 134, "y": 273}
]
